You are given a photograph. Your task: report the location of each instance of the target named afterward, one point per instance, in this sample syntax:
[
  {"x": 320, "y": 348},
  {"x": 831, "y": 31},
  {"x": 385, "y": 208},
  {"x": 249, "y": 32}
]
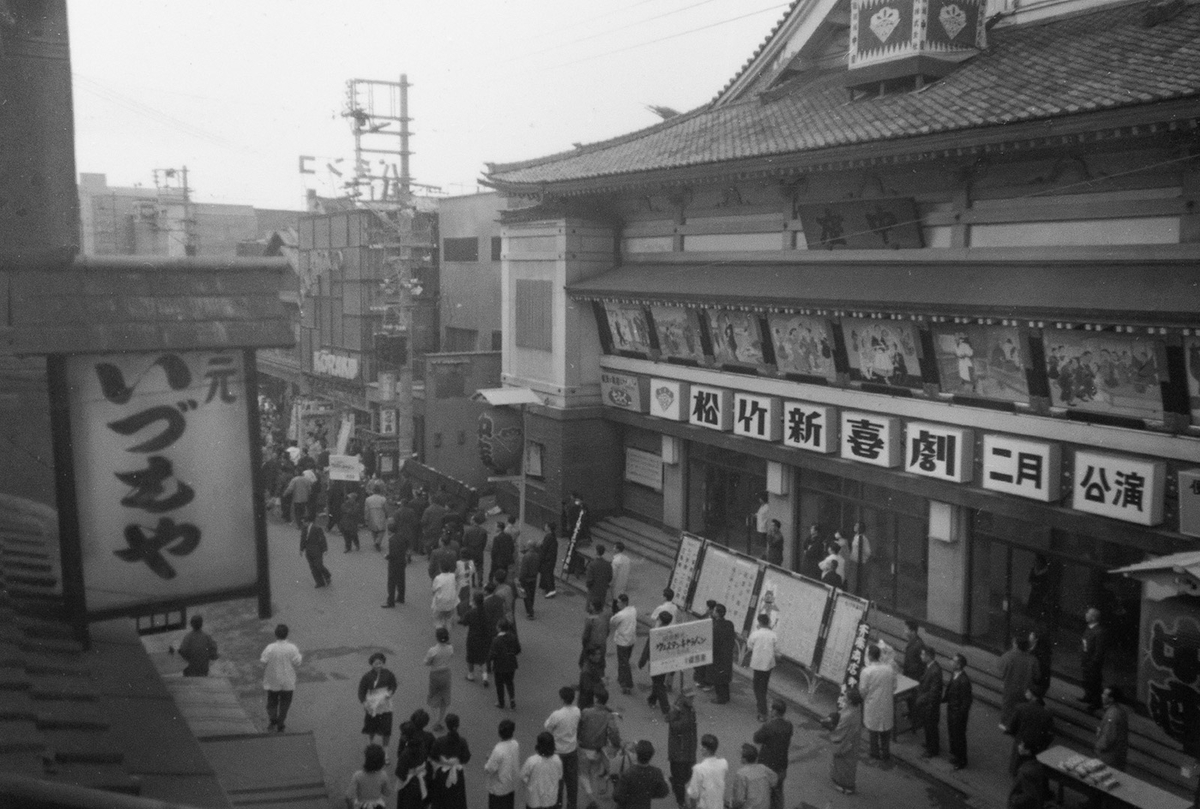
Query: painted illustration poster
[
  {"x": 628, "y": 326},
  {"x": 1191, "y": 348},
  {"x": 986, "y": 361},
  {"x": 803, "y": 345},
  {"x": 678, "y": 332},
  {"x": 884, "y": 352},
  {"x": 736, "y": 337},
  {"x": 1104, "y": 373}
]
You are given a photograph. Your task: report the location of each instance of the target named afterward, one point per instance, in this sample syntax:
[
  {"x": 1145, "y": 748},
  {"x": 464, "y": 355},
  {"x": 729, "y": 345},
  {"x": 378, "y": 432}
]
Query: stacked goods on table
[{"x": 1092, "y": 771}]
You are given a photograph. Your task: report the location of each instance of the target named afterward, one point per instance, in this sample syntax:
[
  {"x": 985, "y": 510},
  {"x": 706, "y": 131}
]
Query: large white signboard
[
  {"x": 810, "y": 426},
  {"x": 757, "y": 417},
  {"x": 939, "y": 451},
  {"x": 796, "y": 607},
  {"x": 711, "y": 408},
  {"x": 1025, "y": 468},
  {"x": 1116, "y": 486},
  {"x": 871, "y": 438},
  {"x": 848, "y": 611},
  {"x": 727, "y": 579},
  {"x": 164, "y": 489},
  {"x": 681, "y": 646}
]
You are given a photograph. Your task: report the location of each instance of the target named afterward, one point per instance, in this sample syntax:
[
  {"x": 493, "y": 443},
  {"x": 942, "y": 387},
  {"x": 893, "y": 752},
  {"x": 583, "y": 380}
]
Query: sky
[{"x": 238, "y": 90}]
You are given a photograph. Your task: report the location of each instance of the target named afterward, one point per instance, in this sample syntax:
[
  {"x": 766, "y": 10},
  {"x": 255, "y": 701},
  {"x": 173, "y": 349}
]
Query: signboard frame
[{"x": 696, "y": 639}]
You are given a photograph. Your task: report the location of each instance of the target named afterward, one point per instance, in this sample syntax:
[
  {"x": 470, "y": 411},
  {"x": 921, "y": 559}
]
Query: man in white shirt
[
  {"x": 859, "y": 557},
  {"x": 623, "y": 626},
  {"x": 621, "y": 563},
  {"x": 668, "y": 606},
  {"x": 877, "y": 683},
  {"x": 761, "y": 644},
  {"x": 564, "y": 724},
  {"x": 762, "y": 522},
  {"x": 706, "y": 790},
  {"x": 279, "y": 677},
  {"x": 503, "y": 768}
]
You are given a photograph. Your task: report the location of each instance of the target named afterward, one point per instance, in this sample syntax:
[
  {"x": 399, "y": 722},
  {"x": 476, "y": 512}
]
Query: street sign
[
  {"x": 345, "y": 467},
  {"x": 681, "y": 646}
]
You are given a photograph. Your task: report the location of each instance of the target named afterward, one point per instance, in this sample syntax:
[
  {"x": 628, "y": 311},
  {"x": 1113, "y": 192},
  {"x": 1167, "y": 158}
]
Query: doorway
[{"x": 722, "y": 495}]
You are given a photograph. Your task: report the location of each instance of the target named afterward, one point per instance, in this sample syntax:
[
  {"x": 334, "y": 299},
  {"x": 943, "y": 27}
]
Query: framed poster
[
  {"x": 848, "y": 611},
  {"x": 736, "y": 337},
  {"x": 686, "y": 558},
  {"x": 1116, "y": 374},
  {"x": 678, "y": 332},
  {"x": 803, "y": 345},
  {"x": 729, "y": 579},
  {"x": 797, "y": 609},
  {"x": 987, "y": 361},
  {"x": 885, "y": 352},
  {"x": 1191, "y": 348},
  {"x": 161, "y": 450},
  {"x": 628, "y": 326}
]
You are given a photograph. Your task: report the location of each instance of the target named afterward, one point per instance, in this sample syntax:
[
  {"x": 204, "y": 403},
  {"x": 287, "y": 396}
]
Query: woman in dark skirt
[
  {"x": 411, "y": 761},
  {"x": 447, "y": 786},
  {"x": 375, "y": 691},
  {"x": 479, "y": 639}
]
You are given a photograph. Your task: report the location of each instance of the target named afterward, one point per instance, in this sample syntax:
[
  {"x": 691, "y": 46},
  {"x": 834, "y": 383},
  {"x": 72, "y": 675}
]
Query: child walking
[{"x": 438, "y": 660}]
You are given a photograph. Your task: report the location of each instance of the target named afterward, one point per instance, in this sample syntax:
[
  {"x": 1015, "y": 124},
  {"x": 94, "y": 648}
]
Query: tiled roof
[{"x": 1103, "y": 60}]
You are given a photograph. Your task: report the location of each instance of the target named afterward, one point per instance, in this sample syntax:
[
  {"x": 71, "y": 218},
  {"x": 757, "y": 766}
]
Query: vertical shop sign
[
  {"x": 757, "y": 417},
  {"x": 1030, "y": 469},
  {"x": 387, "y": 421},
  {"x": 711, "y": 408},
  {"x": 669, "y": 399},
  {"x": 938, "y": 451},
  {"x": 871, "y": 438},
  {"x": 810, "y": 426},
  {"x": 163, "y": 480},
  {"x": 1123, "y": 488}
]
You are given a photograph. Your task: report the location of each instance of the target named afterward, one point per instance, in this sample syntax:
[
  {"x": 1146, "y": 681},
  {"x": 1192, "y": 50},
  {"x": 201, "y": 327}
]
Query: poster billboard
[
  {"x": 803, "y": 345},
  {"x": 736, "y": 337},
  {"x": 678, "y": 332},
  {"x": 884, "y": 352},
  {"x": 1100, "y": 372},
  {"x": 986, "y": 361},
  {"x": 628, "y": 326}
]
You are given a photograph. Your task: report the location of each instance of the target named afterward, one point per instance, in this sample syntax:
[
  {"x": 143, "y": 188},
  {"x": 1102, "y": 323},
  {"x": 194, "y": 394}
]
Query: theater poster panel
[
  {"x": 1104, "y": 373},
  {"x": 986, "y": 361},
  {"x": 678, "y": 332},
  {"x": 884, "y": 352},
  {"x": 736, "y": 337},
  {"x": 1192, "y": 348},
  {"x": 803, "y": 345},
  {"x": 628, "y": 326}
]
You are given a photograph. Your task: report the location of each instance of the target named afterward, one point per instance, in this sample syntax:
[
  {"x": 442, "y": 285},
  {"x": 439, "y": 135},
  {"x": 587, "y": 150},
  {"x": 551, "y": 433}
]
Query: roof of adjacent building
[{"x": 1103, "y": 60}]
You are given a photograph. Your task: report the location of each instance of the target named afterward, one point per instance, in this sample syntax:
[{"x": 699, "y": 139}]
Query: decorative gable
[{"x": 918, "y": 39}]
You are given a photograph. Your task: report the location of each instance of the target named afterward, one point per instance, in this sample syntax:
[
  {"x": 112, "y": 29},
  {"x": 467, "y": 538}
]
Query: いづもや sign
[
  {"x": 680, "y": 646},
  {"x": 1116, "y": 486},
  {"x": 163, "y": 476}
]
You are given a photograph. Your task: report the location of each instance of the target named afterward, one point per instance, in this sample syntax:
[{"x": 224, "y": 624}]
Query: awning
[
  {"x": 1159, "y": 287},
  {"x": 1177, "y": 570},
  {"x": 506, "y": 396}
]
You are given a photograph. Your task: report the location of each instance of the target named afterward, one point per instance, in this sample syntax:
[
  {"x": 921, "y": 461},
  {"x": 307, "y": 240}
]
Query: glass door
[{"x": 723, "y": 489}]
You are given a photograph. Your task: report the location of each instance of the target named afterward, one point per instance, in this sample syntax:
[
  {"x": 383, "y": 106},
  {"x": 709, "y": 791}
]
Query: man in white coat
[{"x": 877, "y": 683}]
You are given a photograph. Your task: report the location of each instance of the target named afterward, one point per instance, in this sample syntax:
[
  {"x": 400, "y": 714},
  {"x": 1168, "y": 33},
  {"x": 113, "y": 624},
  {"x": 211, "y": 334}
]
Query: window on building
[
  {"x": 450, "y": 380},
  {"x": 460, "y": 339},
  {"x": 534, "y": 315},
  {"x": 465, "y": 248},
  {"x": 497, "y": 247},
  {"x": 534, "y": 454}
]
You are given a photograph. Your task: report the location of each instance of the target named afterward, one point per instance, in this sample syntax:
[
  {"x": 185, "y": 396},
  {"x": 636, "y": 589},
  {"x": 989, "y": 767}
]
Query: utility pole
[{"x": 378, "y": 114}]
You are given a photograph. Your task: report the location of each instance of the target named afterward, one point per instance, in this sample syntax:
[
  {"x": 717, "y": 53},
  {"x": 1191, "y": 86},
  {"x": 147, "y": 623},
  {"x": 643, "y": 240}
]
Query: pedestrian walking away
[
  {"x": 375, "y": 514},
  {"x": 503, "y": 552},
  {"x": 542, "y": 773},
  {"x": 681, "y": 744},
  {"x": 622, "y": 564},
  {"x": 447, "y": 778},
  {"x": 474, "y": 542},
  {"x": 350, "y": 521},
  {"x": 375, "y": 691},
  {"x": 877, "y": 684},
  {"x": 444, "y": 601},
  {"x": 412, "y": 764},
  {"x": 1018, "y": 669},
  {"x": 197, "y": 649},
  {"x": 591, "y": 677},
  {"x": 599, "y": 576},
  {"x": 845, "y": 738},
  {"x": 597, "y": 730},
  {"x": 438, "y": 661},
  {"x": 370, "y": 787},
  {"x": 479, "y": 638},
  {"x": 761, "y": 646},
  {"x": 279, "y": 677},
  {"x": 298, "y": 492},
  {"x": 313, "y": 546},
  {"x": 548, "y": 560},
  {"x": 929, "y": 702},
  {"x": 564, "y": 725},
  {"x": 623, "y": 628},
  {"x": 720, "y": 673},
  {"x": 958, "y": 700},
  {"x": 527, "y": 574},
  {"x": 464, "y": 581},
  {"x": 503, "y": 659},
  {"x": 642, "y": 782},
  {"x": 398, "y": 549},
  {"x": 706, "y": 789},
  {"x": 503, "y": 768},
  {"x": 658, "y": 682},
  {"x": 774, "y": 740},
  {"x": 753, "y": 783}
]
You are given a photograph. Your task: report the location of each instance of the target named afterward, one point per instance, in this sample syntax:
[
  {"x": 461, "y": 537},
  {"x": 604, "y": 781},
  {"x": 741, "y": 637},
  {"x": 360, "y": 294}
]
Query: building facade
[{"x": 945, "y": 287}]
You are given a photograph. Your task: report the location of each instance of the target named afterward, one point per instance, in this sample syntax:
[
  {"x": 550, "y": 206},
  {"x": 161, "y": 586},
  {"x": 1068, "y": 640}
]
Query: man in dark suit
[
  {"x": 929, "y": 702},
  {"x": 313, "y": 546},
  {"x": 720, "y": 673},
  {"x": 1095, "y": 646},
  {"x": 912, "y": 667},
  {"x": 774, "y": 739},
  {"x": 1032, "y": 726},
  {"x": 599, "y": 576},
  {"x": 958, "y": 705},
  {"x": 397, "y": 562},
  {"x": 1029, "y": 783},
  {"x": 475, "y": 540},
  {"x": 504, "y": 551}
]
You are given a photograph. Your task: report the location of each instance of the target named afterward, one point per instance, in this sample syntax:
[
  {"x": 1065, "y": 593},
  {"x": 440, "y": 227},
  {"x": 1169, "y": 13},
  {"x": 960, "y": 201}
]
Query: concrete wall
[{"x": 471, "y": 289}]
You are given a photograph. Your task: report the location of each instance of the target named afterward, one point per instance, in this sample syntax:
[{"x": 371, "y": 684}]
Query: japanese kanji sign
[
  {"x": 1189, "y": 502},
  {"x": 345, "y": 467},
  {"x": 711, "y": 408},
  {"x": 669, "y": 399},
  {"x": 810, "y": 426},
  {"x": 1123, "y": 488},
  {"x": 626, "y": 391},
  {"x": 387, "y": 421},
  {"x": 871, "y": 438},
  {"x": 680, "y": 646},
  {"x": 164, "y": 490},
  {"x": 1030, "y": 469},
  {"x": 938, "y": 451},
  {"x": 757, "y": 417}
]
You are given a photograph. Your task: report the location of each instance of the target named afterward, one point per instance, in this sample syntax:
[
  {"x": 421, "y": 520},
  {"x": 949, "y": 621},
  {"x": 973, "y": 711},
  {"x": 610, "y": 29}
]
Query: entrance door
[{"x": 723, "y": 488}]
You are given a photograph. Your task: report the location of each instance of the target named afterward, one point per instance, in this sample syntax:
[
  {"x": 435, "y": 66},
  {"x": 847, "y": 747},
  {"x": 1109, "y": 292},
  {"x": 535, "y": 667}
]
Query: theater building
[{"x": 931, "y": 266}]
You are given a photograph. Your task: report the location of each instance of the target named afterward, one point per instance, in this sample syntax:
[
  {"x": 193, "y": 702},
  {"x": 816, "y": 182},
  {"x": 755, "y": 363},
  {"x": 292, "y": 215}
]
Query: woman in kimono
[
  {"x": 447, "y": 787},
  {"x": 412, "y": 791},
  {"x": 845, "y": 738}
]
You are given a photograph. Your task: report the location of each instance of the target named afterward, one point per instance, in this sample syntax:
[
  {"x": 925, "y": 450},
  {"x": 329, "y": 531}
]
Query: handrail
[{"x": 34, "y": 793}]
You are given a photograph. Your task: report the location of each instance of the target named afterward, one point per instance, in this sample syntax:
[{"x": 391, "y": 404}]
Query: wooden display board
[
  {"x": 841, "y": 629},
  {"x": 729, "y": 579},
  {"x": 798, "y": 613},
  {"x": 687, "y": 559}
]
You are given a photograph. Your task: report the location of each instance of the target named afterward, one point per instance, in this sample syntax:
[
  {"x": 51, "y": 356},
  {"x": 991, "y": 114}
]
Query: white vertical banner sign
[{"x": 164, "y": 489}]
